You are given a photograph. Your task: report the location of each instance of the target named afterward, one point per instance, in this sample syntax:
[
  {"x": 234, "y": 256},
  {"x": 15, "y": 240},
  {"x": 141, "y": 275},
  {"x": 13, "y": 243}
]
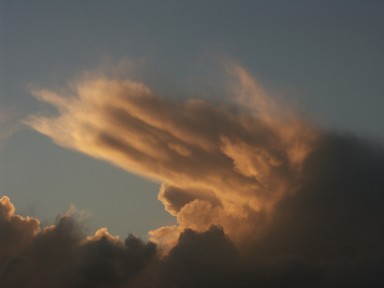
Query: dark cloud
[
  {"x": 262, "y": 197},
  {"x": 337, "y": 208},
  {"x": 62, "y": 256},
  {"x": 201, "y": 260},
  {"x": 16, "y": 231},
  {"x": 327, "y": 233}
]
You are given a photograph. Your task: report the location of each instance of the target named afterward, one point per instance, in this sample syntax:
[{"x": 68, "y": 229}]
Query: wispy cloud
[
  {"x": 262, "y": 197},
  {"x": 224, "y": 164},
  {"x": 9, "y": 123}
]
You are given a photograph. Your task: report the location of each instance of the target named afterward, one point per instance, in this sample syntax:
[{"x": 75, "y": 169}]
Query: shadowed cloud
[{"x": 262, "y": 197}]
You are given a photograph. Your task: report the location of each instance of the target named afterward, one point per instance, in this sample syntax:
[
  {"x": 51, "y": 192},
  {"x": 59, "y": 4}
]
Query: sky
[{"x": 107, "y": 107}]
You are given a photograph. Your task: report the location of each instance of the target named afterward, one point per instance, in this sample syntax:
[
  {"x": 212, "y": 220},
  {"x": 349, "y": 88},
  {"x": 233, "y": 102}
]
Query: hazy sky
[{"x": 323, "y": 56}]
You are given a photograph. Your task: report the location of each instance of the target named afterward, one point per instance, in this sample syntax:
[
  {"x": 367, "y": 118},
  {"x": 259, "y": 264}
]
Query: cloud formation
[
  {"x": 221, "y": 163},
  {"x": 61, "y": 255},
  {"x": 262, "y": 197},
  {"x": 9, "y": 123}
]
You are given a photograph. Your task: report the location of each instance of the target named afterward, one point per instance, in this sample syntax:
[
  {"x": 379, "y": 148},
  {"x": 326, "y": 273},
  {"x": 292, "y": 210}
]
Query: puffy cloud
[
  {"x": 62, "y": 256},
  {"x": 238, "y": 157},
  {"x": 262, "y": 197},
  {"x": 205, "y": 259},
  {"x": 16, "y": 231},
  {"x": 297, "y": 252}
]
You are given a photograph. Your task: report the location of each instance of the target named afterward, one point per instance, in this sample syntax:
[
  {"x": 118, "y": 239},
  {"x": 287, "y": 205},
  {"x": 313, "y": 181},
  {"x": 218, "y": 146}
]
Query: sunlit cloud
[
  {"x": 221, "y": 163},
  {"x": 262, "y": 197}
]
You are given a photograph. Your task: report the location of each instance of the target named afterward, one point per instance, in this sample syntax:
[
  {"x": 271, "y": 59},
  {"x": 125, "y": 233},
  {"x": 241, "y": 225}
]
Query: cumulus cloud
[
  {"x": 262, "y": 197},
  {"x": 16, "y": 231},
  {"x": 221, "y": 163},
  {"x": 62, "y": 256}
]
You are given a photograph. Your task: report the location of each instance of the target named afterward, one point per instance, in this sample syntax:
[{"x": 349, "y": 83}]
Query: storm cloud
[
  {"x": 262, "y": 197},
  {"x": 224, "y": 163},
  {"x": 61, "y": 255}
]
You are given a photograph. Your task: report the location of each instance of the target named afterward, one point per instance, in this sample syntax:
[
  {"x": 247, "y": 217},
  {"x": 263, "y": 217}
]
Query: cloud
[
  {"x": 16, "y": 231},
  {"x": 62, "y": 256},
  {"x": 238, "y": 157},
  {"x": 9, "y": 123},
  {"x": 201, "y": 260},
  {"x": 262, "y": 197},
  {"x": 337, "y": 210}
]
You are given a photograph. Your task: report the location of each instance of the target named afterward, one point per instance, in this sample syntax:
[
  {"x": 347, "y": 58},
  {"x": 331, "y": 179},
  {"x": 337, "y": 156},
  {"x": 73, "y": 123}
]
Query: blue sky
[{"x": 325, "y": 56}]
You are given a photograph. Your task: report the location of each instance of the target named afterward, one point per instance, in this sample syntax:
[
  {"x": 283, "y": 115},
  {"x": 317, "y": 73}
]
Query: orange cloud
[{"x": 224, "y": 164}]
